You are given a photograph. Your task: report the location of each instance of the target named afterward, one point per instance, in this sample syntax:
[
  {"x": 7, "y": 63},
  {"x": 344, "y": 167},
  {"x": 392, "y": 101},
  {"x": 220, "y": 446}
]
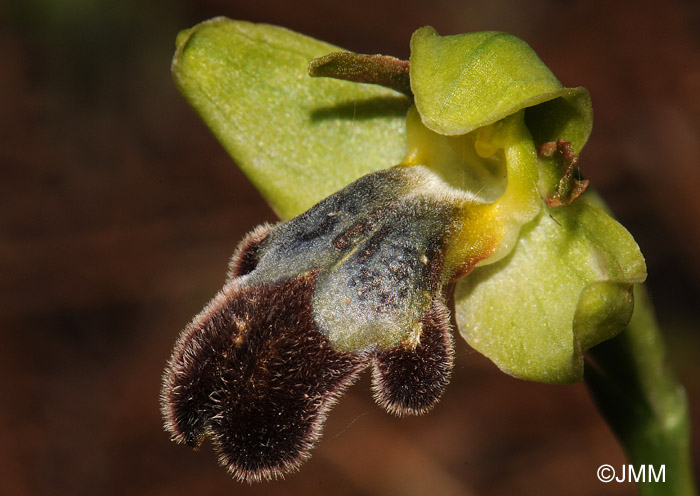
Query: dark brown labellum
[{"x": 310, "y": 303}]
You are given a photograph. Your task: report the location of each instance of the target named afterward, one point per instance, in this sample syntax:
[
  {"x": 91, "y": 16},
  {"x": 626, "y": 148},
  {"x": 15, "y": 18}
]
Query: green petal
[
  {"x": 569, "y": 116},
  {"x": 297, "y": 138},
  {"x": 566, "y": 287},
  {"x": 467, "y": 81}
]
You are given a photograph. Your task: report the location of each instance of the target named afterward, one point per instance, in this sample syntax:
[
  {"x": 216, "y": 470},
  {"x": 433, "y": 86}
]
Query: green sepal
[
  {"x": 467, "y": 81},
  {"x": 297, "y": 138},
  {"x": 565, "y": 287}
]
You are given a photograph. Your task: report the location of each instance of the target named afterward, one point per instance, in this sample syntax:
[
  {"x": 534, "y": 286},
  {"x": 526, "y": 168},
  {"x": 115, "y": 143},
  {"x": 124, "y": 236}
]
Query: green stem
[{"x": 644, "y": 404}]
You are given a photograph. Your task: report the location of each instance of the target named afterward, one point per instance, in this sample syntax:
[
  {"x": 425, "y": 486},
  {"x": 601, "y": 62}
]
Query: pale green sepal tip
[
  {"x": 297, "y": 138},
  {"x": 463, "y": 82},
  {"x": 565, "y": 287}
]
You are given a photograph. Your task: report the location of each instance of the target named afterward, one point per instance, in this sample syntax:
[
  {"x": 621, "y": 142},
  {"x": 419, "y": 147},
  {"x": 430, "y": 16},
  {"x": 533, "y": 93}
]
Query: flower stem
[{"x": 644, "y": 404}]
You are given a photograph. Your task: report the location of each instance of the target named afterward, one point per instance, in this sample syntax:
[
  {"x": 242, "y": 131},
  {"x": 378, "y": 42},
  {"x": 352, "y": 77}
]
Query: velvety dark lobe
[
  {"x": 259, "y": 383},
  {"x": 245, "y": 258},
  {"x": 410, "y": 380},
  {"x": 256, "y": 376}
]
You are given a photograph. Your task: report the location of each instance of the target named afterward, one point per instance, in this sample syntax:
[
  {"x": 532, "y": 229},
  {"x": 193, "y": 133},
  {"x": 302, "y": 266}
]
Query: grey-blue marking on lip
[{"x": 377, "y": 246}]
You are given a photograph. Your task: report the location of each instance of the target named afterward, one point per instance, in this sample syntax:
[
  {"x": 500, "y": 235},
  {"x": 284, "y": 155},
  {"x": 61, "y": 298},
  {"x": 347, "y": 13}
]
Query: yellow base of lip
[{"x": 493, "y": 202}]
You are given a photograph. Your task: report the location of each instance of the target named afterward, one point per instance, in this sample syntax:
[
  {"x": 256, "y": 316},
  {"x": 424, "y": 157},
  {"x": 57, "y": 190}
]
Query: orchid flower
[{"x": 395, "y": 182}]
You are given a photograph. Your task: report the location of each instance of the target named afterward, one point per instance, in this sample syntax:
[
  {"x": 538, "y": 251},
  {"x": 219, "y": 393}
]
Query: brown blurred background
[{"x": 119, "y": 211}]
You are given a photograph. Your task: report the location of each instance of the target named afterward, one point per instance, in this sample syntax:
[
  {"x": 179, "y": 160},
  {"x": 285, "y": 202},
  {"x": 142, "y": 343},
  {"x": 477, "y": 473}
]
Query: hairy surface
[
  {"x": 258, "y": 382},
  {"x": 246, "y": 256},
  {"x": 308, "y": 304},
  {"x": 410, "y": 378}
]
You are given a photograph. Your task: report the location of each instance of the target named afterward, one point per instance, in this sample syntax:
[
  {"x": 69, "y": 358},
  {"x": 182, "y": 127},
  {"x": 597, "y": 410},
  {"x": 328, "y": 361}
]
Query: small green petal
[
  {"x": 569, "y": 117},
  {"x": 566, "y": 287},
  {"x": 467, "y": 81},
  {"x": 297, "y": 138}
]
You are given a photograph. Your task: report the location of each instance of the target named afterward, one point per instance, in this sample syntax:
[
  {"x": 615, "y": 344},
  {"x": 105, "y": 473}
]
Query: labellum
[{"x": 354, "y": 282}]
